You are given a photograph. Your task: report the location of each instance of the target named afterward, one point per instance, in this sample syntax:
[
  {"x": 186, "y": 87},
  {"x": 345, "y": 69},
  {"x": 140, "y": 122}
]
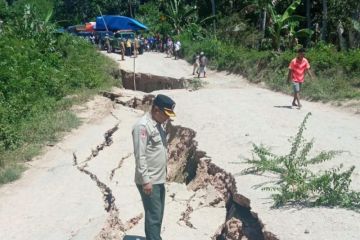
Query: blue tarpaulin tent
[{"x": 115, "y": 23}]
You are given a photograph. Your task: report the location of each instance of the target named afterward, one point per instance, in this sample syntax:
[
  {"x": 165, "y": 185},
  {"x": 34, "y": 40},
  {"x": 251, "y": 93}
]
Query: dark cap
[{"x": 165, "y": 104}]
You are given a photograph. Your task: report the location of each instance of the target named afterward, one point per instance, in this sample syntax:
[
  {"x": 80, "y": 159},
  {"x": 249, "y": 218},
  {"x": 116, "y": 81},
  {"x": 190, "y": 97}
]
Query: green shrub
[
  {"x": 10, "y": 173},
  {"x": 38, "y": 68},
  {"x": 296, "y": 183}
]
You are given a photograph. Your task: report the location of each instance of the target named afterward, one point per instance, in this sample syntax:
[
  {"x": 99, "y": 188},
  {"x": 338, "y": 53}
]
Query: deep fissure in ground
[
  {"x": 113, "y": 228},
  {"x": 194, "y": 168},
  {"x": 149, "y": 82}
]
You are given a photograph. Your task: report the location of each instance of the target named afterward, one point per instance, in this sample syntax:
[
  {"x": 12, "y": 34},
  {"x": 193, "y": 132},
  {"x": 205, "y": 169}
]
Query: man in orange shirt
[{"x": 298, "y": 67}]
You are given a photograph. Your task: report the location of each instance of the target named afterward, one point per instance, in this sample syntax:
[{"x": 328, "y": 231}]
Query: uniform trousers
[{"x": 154, "y": 210}]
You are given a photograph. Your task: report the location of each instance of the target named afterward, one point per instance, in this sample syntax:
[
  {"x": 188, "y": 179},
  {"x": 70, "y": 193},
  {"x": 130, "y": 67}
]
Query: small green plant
[
  {"x": 296, "y": 183},
  {"x": 195, "y": 84}
]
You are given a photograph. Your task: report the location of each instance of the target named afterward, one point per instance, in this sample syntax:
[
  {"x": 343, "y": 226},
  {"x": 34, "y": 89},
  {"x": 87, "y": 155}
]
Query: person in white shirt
[{"x": 177, "y": 49}]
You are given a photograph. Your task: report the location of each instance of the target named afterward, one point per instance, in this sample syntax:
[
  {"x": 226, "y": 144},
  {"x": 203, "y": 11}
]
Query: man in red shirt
[{"x": 298, "y": 67}]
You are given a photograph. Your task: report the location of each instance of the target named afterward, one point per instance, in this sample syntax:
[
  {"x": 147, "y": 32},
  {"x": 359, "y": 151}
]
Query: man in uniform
[
  {"x": 107, "y": 43},
  {"x": 122, "y": 49},
  {"x": 150, "y": 150}
]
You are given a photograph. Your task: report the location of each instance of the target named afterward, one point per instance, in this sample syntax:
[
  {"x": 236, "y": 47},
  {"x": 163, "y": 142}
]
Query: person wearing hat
[{"x": 150, "y": 150}]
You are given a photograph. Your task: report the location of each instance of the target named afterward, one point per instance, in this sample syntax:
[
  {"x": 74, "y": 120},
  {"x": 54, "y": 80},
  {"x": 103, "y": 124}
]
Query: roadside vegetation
[
  {"x": 42, "y": 74},
  {"x": 296, "y": 183},
  {"x": 258, "y": 39},
  {"x": 336, "y": 73}
]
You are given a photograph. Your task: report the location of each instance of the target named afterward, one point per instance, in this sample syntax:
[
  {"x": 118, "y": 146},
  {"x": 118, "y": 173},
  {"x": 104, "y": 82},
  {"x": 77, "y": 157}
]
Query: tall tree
[
  {"x": 308, "y": 14},
  {"x": 263, "y": 7},
  {"x": 71, "y": 12},
  {"x": 308, "y": 17}
]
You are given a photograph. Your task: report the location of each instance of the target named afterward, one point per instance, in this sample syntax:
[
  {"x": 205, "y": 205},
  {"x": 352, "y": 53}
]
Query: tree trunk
[
  {"x": 130, "y": 8},
  {"x": 353, "y": 34},
  {"x": 324, "y": 21},
  {"x": 340, "y": 32},
  {"x": 308, "y": 17},
  {"x": 213, "y": 13},
  {"x": 263, "y": 23}
]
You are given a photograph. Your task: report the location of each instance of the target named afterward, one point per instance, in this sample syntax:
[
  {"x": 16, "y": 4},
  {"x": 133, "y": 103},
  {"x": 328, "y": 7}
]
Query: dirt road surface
[{"x": 82, "y": 188}]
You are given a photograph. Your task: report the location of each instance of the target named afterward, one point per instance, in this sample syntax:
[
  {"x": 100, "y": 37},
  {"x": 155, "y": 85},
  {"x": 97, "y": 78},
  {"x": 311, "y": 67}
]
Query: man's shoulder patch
[{"x": 143, "y": 132}]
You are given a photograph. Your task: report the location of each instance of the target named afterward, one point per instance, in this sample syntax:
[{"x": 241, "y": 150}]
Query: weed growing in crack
[
  {"x": 195, "y": 84},
  {"x": 296, "y": 183}
]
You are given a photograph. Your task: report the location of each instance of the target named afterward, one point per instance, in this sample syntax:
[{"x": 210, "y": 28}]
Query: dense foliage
[{"x": 40, "y": 67}]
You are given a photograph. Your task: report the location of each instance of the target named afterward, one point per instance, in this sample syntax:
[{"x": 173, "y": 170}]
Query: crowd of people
[
  {"x": 164, "y": 44},
  {"x": 151, "y": 43},
  {"x": 172, "y": 48}
]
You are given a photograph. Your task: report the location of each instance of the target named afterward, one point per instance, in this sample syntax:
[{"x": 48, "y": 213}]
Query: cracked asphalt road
[
  {"x": 83, "y": 188},
  {"x": 54, "y": 200}
]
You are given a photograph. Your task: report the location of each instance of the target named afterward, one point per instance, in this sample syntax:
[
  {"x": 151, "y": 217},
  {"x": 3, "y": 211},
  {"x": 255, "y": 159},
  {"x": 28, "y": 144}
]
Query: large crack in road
[
  {"x": 192, "y": 167},
  {"x": 212, "y": 186},
  {"x": 113, "y": 228}
]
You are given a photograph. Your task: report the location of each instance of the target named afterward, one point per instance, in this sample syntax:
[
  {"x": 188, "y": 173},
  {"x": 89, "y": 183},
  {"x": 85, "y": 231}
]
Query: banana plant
[
  {"x": 285, "y": 22},
  {"x": 179, "y": 14}
]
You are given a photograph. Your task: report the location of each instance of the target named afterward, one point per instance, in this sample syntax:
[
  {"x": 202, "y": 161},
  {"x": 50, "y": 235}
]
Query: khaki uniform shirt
[{"x": 149, "y": 140}]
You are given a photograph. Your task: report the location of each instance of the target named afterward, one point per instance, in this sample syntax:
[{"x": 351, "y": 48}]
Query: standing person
[
  {"x": 298, "y": 67},
  {"x": 152, "y": 43},
  {"x": 107, "y": 43},
  {"x": 203, "y": 62},
  {"x": 163, "y": 42},
  {"x": 92, "y": 38},
  {"x": 128, "y": 47},
  {"x": 196, "y": 63},
  {"x": 169, "y": 47},
  {"x": 122, "y": 49},
  {"x": 136, "y": 46},
  {"x": 177, "y": 49},
  {"x": 150, "y": 150}
]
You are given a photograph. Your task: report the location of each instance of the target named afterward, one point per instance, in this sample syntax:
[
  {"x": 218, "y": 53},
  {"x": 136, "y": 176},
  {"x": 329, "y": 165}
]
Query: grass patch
[
  {"x": 45, "y": 129},
  {"x": 195, "y": 84},
  {"x": 10, "y": 173}
]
